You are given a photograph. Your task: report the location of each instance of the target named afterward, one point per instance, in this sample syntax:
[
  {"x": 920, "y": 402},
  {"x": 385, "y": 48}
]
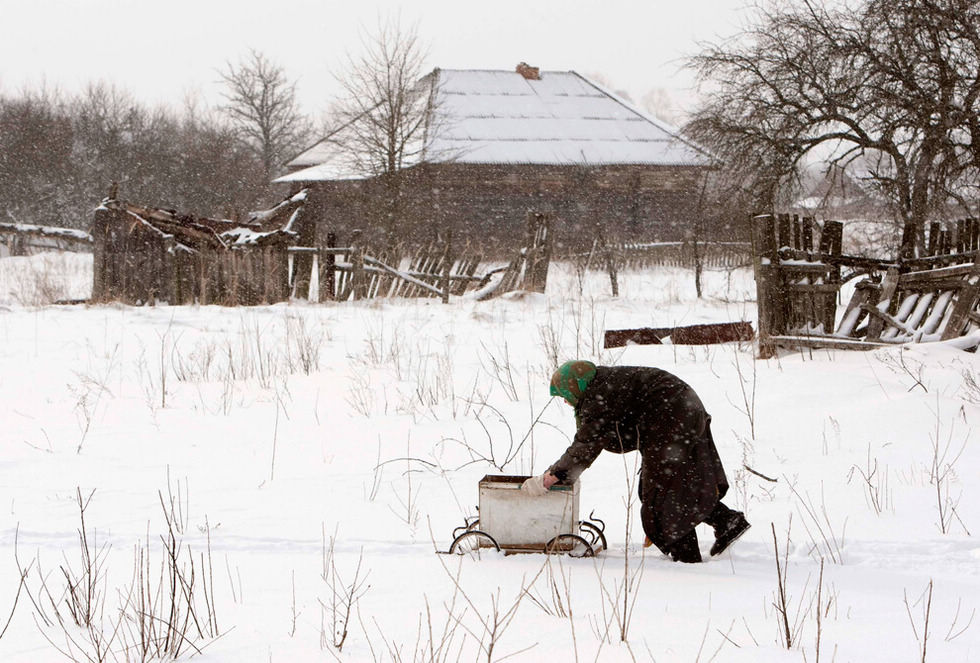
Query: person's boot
[
  {"x": 686, "y": 549},
  {"x": 728, "y": 532}
]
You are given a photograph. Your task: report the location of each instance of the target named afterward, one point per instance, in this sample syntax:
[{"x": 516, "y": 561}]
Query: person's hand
[
  {"x": 534, "y": 486},
  {"x": 538, "y": 485}
]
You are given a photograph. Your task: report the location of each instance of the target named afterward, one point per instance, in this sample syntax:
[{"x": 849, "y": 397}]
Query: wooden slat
[
  {"x": 854, "y": 313},
  {"x": 965, "y": 303},
  {"x": 807, "y": 233},
  {"x": 829, "y": 342},
  {"x": 885, "y": 319},
  {"x": 932, "y": 247},
  {"x": 783, "y": 231},
  {"x": 954, "y": 271},
  {"x": 888, "y": 286}
]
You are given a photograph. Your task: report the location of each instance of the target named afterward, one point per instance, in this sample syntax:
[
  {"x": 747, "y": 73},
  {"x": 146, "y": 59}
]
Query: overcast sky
[{"x": 162, "y": 50}]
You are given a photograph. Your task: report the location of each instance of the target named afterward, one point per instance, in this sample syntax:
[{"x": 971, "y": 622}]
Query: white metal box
[{"x": 518, "y": 521}]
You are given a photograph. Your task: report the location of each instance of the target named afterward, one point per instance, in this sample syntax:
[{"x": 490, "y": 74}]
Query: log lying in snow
[{"x": 723, "y": 332}]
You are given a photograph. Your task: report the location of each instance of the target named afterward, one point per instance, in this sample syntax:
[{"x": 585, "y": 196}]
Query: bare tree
[
  {"x": 886, "y": 88},
  {"x": 385, "y": 110},
  {"x": 219, "y": 175},
  {"x": 261, "y": 102}
]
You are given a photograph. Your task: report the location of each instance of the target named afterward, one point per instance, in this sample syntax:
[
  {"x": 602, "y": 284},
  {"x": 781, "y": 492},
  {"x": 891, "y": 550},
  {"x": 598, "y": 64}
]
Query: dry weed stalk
[
  {"x": 305, "y": 342},
  {"x": 89, "y": 395},
  {"x": 500, "y": 369},
  {"x": 434, "y": 643},
  {"x": 825, "y": 541},
  {"x": 747, "y": 387},
  {"x": 20, "y": 587},
  {"x": 621, "y": 600},
  {"x": 409, "y": 512},
  {"x": 494, "y": 624},
  {"x": 343, "y": 596},
  {"x": 876, "y": 487},
  {"x": 782, "y": 600},
  {"x": 900, "y": 366},
  {"x": 926, "y": 599},
  {"x": 587, "y": 328},
  {"x": 497, "y": 455},
  {"x": 942, "y": 473},
  {"x": 156, "y": 620},
  {"x": 792, "y": 619}
]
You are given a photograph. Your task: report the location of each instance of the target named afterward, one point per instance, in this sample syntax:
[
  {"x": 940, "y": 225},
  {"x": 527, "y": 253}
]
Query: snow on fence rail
[{"x": 20, "y": 239}]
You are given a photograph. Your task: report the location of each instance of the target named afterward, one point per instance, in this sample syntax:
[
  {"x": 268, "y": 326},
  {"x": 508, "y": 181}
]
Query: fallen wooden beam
[
  {"x": 829, "y": 342},
  {"x": 722, "y": 332},
  {"x": 66, "y": 234}
]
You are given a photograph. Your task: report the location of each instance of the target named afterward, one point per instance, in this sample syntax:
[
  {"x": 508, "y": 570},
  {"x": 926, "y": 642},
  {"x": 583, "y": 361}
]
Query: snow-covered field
[{"x": 302, "y": 450}]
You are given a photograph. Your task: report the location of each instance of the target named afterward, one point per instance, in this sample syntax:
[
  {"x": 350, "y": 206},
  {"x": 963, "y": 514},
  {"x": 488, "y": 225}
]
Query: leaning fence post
[
  {"x": 357, "y": 265},
  {"x": 765, "y": 260},
  {"x": 325, "y": 264},
  {"x": 543, "y": 261},
  {"x": 698, "y": 264},
  {"x": 447, "y": 265}
]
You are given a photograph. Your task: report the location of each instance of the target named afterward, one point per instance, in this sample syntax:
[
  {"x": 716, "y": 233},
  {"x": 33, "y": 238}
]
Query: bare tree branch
[
  {"x": 385, "y": 111},
  {"x": 261, "y": 103},
  {"x": 887, "y": 88}
]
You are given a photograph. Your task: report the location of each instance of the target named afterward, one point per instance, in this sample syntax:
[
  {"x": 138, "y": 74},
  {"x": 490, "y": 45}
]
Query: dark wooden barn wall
[{"x": 488, "y": 204}]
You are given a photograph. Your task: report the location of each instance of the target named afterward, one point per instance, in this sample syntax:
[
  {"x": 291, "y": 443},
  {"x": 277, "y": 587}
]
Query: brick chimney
[{"x": 529, "y": 72}]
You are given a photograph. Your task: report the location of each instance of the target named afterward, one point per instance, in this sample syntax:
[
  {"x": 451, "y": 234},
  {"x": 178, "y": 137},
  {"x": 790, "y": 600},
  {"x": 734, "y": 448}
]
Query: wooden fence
[
  {"x": 930, "y": 298},
  {"x": 435, "y": 269},
  {"x": 357, "y": 272},
  {"x": 689, "y": 254},
  {"x": 146, "y": 255}
]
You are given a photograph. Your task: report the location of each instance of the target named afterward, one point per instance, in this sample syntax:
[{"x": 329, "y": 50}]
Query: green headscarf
[{"x": 571, "y": 379}]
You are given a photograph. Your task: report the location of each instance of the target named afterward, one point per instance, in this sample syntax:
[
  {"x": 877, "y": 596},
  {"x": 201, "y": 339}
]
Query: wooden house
[{"x": 501, "y": 144}]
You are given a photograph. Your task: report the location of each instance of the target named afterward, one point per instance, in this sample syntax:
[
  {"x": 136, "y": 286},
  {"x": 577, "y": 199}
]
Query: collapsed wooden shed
[{"x": 146, "y": 255}]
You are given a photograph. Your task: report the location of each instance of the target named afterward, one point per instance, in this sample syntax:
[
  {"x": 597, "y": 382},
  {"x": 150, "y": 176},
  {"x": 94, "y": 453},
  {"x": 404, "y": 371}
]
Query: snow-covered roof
[
  {"x": 501, "y": 117},
  {"x": 194, "y": 232}
]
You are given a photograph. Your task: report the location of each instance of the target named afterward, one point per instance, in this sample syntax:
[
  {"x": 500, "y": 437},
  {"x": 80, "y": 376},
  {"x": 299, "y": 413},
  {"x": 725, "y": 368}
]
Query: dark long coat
[{"x": 629, "y": 408}]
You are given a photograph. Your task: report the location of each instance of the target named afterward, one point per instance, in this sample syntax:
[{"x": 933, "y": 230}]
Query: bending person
[{"x": 637, "y": 408}]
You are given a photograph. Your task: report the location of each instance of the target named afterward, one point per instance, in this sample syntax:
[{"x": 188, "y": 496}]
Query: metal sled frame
[{"x": 590, "y": 541}]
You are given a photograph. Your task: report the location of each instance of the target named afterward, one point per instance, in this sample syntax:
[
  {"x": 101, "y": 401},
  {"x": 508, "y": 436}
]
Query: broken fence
[{"x": 931, "y": 298}]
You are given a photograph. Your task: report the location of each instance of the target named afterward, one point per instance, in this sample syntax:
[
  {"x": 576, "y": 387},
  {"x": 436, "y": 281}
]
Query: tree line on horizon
[{"x": 61, "y": 154}]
